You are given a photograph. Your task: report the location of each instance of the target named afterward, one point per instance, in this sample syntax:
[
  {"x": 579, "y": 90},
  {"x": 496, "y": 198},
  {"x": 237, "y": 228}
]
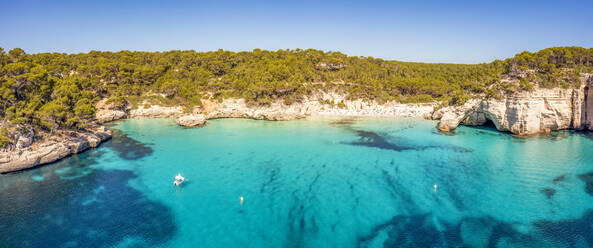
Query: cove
[{"x": 319, "y": 182}]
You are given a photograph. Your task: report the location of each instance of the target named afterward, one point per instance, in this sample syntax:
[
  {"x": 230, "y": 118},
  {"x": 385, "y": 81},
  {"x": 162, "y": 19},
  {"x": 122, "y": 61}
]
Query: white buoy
[{"x": 435, "y": 188}]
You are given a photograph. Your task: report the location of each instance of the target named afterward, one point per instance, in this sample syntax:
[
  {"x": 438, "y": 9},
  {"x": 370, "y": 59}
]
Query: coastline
[
  {"x": 66, "y": 143},
  {"x": 52, "y": 149}
]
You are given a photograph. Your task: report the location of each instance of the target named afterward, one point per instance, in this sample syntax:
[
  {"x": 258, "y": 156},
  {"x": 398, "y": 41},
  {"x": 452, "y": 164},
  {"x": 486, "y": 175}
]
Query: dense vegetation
[
  {"x": 50, "y": 91},
  {"x": 554, "y": 67}
]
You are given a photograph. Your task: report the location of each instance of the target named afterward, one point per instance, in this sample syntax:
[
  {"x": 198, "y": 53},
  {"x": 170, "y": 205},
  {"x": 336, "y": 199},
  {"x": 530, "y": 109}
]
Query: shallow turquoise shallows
[{"x": 320, "y": 182}]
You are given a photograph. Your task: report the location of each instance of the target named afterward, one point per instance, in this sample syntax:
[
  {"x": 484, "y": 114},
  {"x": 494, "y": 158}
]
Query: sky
[{"x": 451, "y": 31}]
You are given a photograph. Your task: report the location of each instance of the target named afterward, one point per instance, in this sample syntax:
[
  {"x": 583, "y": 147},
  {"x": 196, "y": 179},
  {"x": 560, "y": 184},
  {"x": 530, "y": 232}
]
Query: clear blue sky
[{"x": 432, "y": 31}]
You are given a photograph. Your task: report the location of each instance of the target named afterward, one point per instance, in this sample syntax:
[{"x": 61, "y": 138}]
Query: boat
[{"x": 179, "y": 179}]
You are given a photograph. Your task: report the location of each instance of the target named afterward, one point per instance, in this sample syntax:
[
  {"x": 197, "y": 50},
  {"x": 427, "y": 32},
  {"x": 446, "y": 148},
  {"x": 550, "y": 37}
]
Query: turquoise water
[{"x": 308, "y": 183}]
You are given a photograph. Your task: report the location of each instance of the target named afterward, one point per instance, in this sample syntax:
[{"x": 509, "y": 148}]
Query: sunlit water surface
[{"x": 309, "y": 183}]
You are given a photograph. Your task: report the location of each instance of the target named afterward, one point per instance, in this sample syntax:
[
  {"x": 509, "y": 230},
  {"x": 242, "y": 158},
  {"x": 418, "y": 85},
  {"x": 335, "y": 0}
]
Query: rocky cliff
[
  {"x": 525, "y": 113},
  {"x": 51, "y": 149},
  {"x": 321, "y": 104}
]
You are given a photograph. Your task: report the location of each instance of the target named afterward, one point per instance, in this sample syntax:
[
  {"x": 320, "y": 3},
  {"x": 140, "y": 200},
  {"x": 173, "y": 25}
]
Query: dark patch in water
[
  {"x": 451, "y": 147},
  {"x": 346, "y": 122},
  {"x": 296, "y": 225},
  {"x": 559, "y": 179},
  {"x": 302, "y": 225},
  {"x": 408, "y": 231},
  {"x": 586, "y": 134},
  {"x": 128, "y": 148},
  {"x": 272, "y": 174},
  {"x": 549, "y": 192},
  {"x": 421, "y": 231},
  {"x": 396, "y": 191},
  {"x": 372, "y": 139},
  {"x": 588, "y": 179},
  {"x": 314, "y": 182},
  {"x": 569, "y": 232},
  {"x": 80, "y": 207}
]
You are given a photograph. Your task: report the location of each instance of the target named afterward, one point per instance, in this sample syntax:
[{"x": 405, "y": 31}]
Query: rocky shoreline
[{"x": 51, "y": 149}]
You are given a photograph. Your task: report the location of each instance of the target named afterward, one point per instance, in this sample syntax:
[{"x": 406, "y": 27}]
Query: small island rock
[{"x": 194, "y": 120}]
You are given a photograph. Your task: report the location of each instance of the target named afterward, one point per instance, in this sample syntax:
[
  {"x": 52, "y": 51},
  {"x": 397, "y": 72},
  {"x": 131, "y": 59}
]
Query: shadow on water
[
  {"x": 73, "y": 205},
  {"x": 126, "y": 147}
]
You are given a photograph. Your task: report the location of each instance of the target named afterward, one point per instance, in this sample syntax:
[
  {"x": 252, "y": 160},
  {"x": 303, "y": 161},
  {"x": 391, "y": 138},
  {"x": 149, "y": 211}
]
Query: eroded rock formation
[{"x": 525, "y": 113}]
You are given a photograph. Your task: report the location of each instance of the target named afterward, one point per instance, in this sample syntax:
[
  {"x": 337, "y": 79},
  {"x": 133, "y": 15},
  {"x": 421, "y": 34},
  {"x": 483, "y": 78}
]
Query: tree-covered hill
[{"x": 49, "y": 91}]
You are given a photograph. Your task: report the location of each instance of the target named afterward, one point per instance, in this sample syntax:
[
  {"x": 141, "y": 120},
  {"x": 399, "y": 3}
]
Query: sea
[{"x": 316, "y": 182}]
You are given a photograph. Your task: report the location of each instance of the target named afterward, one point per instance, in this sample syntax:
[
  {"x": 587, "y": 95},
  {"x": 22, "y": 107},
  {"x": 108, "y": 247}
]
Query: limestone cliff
[
  {"x": 52, "y": 149},
  {"x": 320, "y": 104},
  {"x": 524, "y": 113}
]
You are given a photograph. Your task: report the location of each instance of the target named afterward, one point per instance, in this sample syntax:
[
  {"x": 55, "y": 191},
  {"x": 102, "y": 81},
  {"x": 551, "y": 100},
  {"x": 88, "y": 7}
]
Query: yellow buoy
[{"x": 241, "y": 200}]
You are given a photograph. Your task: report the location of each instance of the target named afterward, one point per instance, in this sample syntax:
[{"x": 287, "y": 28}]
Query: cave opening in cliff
[{"x": 489, "y": 124}]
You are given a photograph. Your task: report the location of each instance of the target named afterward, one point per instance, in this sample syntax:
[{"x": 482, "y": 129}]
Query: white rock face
[
  {"x": 237, "y": 108},
  {"x": 524, "y": 113},
  {"x": 587, "y": 105},
  {"x": 108, "y": 112},
  {"x": 194, "y": 120},
  {"x": 24, "y": 142},
  {"x": 359, "y": 107},
  {"x": 53, "y": 149},
  {"x": 107, "y": 115},
  {"x": 156, "y": 111},
  {"x": 277, "y": 111}
]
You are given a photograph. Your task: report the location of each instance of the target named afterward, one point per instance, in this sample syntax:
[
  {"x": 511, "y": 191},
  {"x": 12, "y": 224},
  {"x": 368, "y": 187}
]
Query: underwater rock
[
  {"x": 588, "y": 179},
  {"x": 549, "y": 192},
  {"x": 559, "y": 179}
]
